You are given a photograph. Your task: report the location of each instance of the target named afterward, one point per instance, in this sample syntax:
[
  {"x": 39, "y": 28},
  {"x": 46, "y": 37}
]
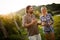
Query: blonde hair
[{"x": 44, "y": 8}]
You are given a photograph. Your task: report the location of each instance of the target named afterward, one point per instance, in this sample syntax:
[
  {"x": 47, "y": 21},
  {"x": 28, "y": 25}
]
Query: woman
[{"x": 46, "y": 22}]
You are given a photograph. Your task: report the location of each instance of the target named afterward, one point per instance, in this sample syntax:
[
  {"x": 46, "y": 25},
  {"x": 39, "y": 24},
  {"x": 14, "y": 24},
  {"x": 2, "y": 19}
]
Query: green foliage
[
  {"x": 13, "y": 24},
  {"x": 57, "y": 27},
  {"x": 13, "y": 32}
]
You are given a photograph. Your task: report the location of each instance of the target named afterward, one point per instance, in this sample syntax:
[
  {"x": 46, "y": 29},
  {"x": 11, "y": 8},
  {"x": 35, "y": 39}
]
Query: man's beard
[{"x": 31, "y": 12}]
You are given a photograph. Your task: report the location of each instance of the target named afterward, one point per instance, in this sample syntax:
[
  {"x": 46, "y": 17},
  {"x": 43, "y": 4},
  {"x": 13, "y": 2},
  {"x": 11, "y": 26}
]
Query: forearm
[
  {"x": 43, "y": 23},
  {"x": 52, "y": 22},
  {"x": 38, "y": 23},
  {"x": 28, "y": 25}
]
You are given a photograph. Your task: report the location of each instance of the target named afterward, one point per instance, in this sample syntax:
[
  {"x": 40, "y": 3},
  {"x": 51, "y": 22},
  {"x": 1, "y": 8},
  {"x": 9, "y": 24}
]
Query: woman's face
[{"x": 44, "y": 10}]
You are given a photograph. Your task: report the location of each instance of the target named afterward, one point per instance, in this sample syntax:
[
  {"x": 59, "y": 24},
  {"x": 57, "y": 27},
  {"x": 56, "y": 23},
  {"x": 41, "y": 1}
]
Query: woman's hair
[
  {"x": 43, "y": 8},
  {"x": 27, "y": 8}
]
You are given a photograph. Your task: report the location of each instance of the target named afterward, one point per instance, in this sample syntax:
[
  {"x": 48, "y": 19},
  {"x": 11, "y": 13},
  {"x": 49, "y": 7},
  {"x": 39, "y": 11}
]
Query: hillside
[{"x": 52, "y": 8}]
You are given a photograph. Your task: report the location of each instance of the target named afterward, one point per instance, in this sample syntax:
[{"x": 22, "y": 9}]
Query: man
[
  {"x": 46, "y": 22},
  {"x": 29, "y": 21}
]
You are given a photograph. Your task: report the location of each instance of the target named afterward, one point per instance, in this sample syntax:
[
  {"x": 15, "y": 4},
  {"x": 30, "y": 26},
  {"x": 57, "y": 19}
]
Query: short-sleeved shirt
[
  {"x": 48, "y": 18},
  {"x": 32, "y": 29}
]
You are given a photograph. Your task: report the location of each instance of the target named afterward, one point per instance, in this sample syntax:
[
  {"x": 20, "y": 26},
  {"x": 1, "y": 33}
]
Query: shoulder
[
  {"x": 41, "y": 16},
  {"x": 24, "y": 16},
  {"x": 49, "y": 14}
]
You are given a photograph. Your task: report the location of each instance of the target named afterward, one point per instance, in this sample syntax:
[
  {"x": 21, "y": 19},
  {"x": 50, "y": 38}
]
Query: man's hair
[{"x": 27, "y": 8}]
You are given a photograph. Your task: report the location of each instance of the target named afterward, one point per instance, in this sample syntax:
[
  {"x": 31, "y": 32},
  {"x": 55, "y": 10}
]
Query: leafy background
[{"x": 11, "y": 24}]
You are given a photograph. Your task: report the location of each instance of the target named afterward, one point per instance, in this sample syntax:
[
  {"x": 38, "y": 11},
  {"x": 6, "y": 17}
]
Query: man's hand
[
  {"x": 43, "y": 23},
  {"x": 33, "y": 21},
  {"x": 39, "y": 22}
]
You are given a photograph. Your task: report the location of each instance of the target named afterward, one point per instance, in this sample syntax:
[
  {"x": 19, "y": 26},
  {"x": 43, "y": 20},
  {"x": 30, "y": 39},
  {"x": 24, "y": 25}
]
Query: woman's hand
[{"x": 49, "y": 23}]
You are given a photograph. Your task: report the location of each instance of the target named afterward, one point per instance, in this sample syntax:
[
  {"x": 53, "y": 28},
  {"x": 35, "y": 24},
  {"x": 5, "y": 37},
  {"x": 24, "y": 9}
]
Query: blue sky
[{"x": 8, "y": 6}]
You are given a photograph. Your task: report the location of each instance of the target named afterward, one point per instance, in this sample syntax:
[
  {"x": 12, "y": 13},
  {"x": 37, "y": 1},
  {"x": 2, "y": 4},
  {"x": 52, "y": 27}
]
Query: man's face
[{"x": 31, "y": 10}]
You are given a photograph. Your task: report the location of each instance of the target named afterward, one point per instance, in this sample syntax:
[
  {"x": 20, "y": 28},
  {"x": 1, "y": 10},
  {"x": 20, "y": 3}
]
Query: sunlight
[{"x": 8, "y": 6}]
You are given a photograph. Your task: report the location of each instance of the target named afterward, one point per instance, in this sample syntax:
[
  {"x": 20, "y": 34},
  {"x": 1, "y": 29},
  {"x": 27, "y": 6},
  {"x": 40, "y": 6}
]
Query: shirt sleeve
[
  {"x": 41, "y": 19},
  {"x": 24, "y": 20},
  {"x": 51, "y": 18}
]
